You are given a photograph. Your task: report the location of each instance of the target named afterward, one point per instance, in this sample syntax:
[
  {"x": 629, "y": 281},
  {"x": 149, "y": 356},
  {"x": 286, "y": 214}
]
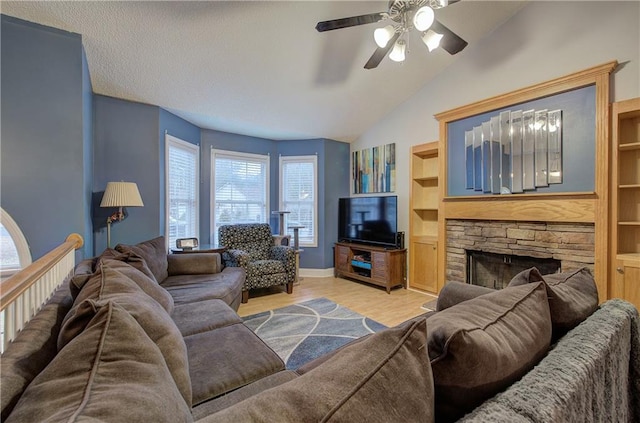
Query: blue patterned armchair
[{"x": 250, "y": 246}]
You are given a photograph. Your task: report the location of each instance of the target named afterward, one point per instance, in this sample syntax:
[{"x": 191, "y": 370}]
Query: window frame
[
  {"x": 170, "y": 141},
  {"x": 264, "y": 158},
  {"x": 313, "y": 159},
  {"x": 19, "y": 241}
]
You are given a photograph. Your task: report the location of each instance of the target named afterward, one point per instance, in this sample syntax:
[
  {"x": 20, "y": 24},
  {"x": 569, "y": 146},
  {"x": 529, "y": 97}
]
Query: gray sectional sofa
[{"x": 138, "y": 335}]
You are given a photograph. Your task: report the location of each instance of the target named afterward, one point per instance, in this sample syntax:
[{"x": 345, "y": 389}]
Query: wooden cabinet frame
[{"x": 565, "y": 207}]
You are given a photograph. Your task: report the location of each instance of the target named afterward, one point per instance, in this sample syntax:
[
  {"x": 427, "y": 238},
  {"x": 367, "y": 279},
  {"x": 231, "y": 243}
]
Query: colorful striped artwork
[{"x": 374, "y": 169}]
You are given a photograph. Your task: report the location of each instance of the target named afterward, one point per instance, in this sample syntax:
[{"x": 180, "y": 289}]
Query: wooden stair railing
[{"x": 24, "y": 293}]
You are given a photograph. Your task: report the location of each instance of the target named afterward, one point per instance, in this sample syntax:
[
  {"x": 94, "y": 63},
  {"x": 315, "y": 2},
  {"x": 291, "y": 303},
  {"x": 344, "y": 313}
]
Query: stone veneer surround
[{"x": 571, "y": 243}]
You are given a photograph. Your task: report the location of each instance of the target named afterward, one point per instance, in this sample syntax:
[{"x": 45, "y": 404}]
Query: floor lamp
[{"x": 119, "y": 194}]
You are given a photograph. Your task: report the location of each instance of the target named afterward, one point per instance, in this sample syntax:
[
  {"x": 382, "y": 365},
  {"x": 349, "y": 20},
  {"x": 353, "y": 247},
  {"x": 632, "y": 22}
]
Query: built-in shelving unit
[
  {"x": 423, "y": 223},
  {"x": 625, "y": 200}
]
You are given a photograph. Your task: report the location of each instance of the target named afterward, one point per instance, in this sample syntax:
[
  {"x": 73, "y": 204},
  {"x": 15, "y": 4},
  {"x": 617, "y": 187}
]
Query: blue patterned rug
[{"x": 302, "y": 332}]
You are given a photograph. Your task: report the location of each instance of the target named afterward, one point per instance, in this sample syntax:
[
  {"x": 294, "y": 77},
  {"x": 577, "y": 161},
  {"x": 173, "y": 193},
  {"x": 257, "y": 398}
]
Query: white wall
[{"x": 543, "y": 41}]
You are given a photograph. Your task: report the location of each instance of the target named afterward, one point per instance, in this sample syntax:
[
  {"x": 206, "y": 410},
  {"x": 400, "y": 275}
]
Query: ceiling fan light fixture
[
  {"x": 423, "y": 18},
  {"x": 398, "y": 52},
  {"x": 431, "y": 39},
  {"x": 383, "y": 35}
]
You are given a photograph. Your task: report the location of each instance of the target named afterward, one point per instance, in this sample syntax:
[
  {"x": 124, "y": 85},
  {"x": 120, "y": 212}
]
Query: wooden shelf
[
  {"x": 629, "y": 223},
  {"x": 629, "y": 186}
]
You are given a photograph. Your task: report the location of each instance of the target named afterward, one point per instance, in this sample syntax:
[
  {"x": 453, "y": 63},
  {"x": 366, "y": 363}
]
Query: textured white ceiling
[{"x": 256, "y": 68}]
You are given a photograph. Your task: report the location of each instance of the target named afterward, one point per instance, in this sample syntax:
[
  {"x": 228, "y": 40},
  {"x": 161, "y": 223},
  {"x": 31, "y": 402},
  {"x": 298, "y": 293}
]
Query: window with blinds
[
  {"x": 298, "y": 195},
  {"x": 182, "y": 195},
  {"x": 239, "y": 189}
]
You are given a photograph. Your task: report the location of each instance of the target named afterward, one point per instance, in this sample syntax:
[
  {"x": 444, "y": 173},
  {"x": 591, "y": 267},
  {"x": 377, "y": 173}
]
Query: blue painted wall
[
  {"x": 44, "y": 174},
  {"x": 87, "y": 157},
  {"x": 127, "y": 148}
]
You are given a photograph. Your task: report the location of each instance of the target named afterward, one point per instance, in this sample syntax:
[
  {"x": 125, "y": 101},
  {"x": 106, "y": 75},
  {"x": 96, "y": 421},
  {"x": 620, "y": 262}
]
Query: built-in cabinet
[
  {"x": 423, "y": 223},
  {"x": 625, "y": 200},
  {"x": 375, "y": 265}
]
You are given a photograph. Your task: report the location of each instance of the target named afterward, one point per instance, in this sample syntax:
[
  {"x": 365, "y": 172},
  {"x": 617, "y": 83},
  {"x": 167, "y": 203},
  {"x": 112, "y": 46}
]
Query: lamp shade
[
  {"x": 432, "y": 39},
  {"x": 397, "y": 54},
  {"x": 383, "y": 35},
  {"x": 423, "y": 18},
  {"x": 121, "y": 194}
]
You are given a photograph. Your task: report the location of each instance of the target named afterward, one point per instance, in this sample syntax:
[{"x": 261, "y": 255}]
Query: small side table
[{"x": 204, "y": 248}]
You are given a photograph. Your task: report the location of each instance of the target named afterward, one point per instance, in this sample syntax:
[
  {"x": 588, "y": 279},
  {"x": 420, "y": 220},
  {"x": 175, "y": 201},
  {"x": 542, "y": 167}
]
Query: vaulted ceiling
[{"x": 256, "y": 68}]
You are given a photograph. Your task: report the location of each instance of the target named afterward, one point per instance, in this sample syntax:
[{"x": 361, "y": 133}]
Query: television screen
[{"x": 370, "y": 220}]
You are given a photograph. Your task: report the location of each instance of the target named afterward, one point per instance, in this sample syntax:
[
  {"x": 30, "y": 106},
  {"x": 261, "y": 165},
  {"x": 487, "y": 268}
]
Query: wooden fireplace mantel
[{"x": 580, "y": 207}]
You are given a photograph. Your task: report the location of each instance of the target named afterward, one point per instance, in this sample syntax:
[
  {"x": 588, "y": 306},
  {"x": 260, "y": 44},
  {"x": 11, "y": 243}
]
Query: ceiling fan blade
[
  {"x": 352, "y": 21},
  {"x": 380, "y": 52},
  {"x": 451, "y": 42}
]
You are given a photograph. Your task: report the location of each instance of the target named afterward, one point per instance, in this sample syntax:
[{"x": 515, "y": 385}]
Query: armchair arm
[
  {"x": 235, "y": 258},
  {"x": 457, "y": 292},
  {"x": 193, "y": 264},
  {"x": 287, "y": 255}
]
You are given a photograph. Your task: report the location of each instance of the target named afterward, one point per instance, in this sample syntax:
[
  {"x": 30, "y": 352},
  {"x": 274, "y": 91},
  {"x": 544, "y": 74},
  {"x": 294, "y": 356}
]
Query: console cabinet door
[
  {"x": 379, "y": 265},
  {"x": 424, "y": 259},
  {"x": 342, "y": 259},
  {"x": 628, "y": 280}
]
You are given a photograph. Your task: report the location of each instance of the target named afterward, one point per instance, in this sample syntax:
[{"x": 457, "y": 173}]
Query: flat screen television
[{"x": 368, "y": 220}]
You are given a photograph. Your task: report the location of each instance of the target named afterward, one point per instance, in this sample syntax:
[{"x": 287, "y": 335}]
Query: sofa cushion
[
  {"x": 194, "y": 264},
  {"x": 154, "y": 253},
  {"x": 112, "y": 371},
  {"x": 456, "y": 292},
  {"x": 32, "y": 349},
  {"x": 111, "y": 285},
  {"x": 479, "y": 347},
  {"x": 225, "y": 286},
  {"x": 385, "y": 378},
  {"x": 145, "y": 282},
  {"x": 228, "y": 358},
  {"x": 203, "y": 316},
  {"x": 573, "y": 296}
]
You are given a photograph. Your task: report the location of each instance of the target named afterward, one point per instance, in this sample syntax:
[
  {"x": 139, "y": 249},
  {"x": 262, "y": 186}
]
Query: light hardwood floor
[{"x": 368, "y": 300}]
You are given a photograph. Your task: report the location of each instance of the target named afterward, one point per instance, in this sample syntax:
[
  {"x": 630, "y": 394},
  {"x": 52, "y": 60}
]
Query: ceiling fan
[{"x": 404, "y": 15}]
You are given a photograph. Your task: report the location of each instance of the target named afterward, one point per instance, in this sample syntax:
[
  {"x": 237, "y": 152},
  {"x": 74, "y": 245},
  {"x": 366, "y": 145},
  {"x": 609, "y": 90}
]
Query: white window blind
[
  {"x": 240, "y": 189},
  {"x": 182, "y": 182},
  {"x": 298, "y": 195}
]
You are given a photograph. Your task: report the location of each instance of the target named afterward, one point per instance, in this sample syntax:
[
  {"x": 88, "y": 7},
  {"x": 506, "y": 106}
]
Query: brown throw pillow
[
  {"x": 480, "y": 347},
  {"x": 154, "y": 253},
  {"x": 111, "y": 285},
  {"x": 111, "y": 372},
  {"x": 385, "y": 378},
  {"x": 573, "y": 296}
]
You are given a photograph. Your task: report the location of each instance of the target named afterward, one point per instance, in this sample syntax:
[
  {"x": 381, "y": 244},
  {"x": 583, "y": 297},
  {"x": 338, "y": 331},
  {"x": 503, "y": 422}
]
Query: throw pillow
[
  {"x": 457, "y": 292},
  {"x": 111, "y": 372},
  {"x": 573, "y": 296},
  {"x": 481, "y": 346},
  {"x": 385, "y": 378},
  {"x": 111, "y": 285},
  {"x": 154, "y": 253}
]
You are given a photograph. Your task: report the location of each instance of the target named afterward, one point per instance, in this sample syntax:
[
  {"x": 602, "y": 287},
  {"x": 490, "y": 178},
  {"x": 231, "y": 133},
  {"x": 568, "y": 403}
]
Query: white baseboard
[{"x": 316, "y": 273}]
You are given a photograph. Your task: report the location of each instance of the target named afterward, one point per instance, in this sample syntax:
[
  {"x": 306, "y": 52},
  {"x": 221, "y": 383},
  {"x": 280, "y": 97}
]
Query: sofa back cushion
[
  {"x": 154, "y": 253},
  {"x": 573, "y": 296},
  {"x": 109, "y": 284},
  {"x": 112, "y": 371},
  {"x": 479, "y": 347},
  {"x": 384, "y": 378},
  {"x": 194, "y": 264}
]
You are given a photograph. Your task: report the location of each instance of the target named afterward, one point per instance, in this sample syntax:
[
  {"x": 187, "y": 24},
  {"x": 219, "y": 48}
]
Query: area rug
[{"x": 302, "y": 332}]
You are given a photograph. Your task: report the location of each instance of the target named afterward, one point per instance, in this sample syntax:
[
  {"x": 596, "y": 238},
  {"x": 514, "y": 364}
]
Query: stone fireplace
[{"x": 567, "y": 246}]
